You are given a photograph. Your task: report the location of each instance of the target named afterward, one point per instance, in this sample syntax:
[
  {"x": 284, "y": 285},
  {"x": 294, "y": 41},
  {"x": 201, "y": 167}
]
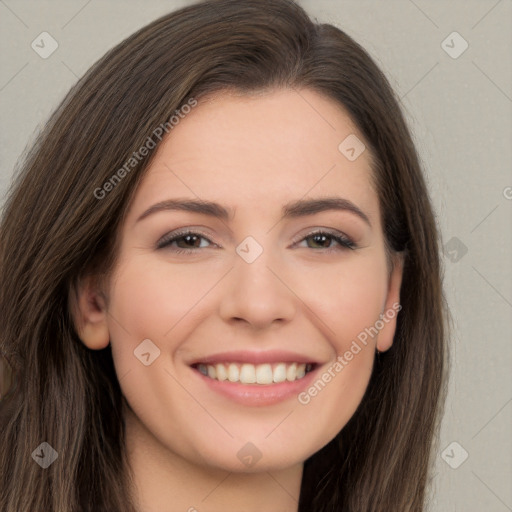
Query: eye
[
  {"x": 191, "y": 241},
  {"x": 185, "y": 241},
  {"x": 328, "y": 241}
]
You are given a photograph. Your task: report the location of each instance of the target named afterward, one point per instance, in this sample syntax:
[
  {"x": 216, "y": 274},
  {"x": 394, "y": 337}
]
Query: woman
[{"x": 220, "y": 279}]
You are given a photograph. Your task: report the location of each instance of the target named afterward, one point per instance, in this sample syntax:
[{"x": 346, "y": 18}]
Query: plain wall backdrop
[{"x": 456, "y": 91}]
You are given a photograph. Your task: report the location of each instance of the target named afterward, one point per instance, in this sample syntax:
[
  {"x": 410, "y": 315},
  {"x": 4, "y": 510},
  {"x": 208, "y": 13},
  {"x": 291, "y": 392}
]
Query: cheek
[
  {"x": 147, "y": 300},
  {"x": 154, "y": 301},
  {"x": 351, "y": 300},
  {"x": 348, "y": 297}
]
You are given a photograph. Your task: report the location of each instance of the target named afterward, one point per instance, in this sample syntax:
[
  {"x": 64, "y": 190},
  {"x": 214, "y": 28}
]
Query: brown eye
[
  {"x": 322, "y": 241},
  {"x": 184, "y": 242},
  {"x": 328, "y": 241},
  {"x": 189, "y": 241}
]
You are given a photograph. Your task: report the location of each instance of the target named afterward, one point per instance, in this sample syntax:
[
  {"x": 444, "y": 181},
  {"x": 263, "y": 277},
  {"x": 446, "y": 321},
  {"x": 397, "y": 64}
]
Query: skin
[{"x": 252, "y": 154}]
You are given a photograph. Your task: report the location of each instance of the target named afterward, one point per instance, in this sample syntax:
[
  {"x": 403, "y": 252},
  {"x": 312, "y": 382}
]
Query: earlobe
[
  {"x": 89, "y": 312},
  {"x": 392, "y": 306}
]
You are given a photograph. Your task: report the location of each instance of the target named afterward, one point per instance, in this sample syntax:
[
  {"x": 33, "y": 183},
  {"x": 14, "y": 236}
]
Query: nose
[{"x": 257, "y": 294}]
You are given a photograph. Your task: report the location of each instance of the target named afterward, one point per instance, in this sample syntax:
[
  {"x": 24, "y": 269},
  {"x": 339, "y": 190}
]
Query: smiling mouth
[{"x": 246, "y": 373}]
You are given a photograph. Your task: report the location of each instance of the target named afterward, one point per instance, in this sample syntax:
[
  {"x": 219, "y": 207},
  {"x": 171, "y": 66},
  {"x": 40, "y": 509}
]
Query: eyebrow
[
  {"x": 295, "y": 209},
  {"x": 304, "y": 207}
]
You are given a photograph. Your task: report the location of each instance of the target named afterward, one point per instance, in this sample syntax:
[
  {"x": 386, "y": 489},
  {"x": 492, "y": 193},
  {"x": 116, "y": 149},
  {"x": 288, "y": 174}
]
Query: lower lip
[{"x": 258, "y": 394}]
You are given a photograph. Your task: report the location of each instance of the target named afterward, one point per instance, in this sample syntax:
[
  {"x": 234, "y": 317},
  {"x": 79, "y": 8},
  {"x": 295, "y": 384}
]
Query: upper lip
[{"x": 254, "y": 357}]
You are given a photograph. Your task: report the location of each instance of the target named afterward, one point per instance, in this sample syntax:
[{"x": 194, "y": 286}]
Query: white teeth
[
  {"x": 280, "y": 373},
  {"x": 247, "y": 374},
  {"x": 233, "y": 373},
  {"x": 291, "y": 372},
  {"x": 212, "y": 373},
  {"x": 222, "y": 374},
  {"x": 264, "y": 374},
  {"x": 250, "y": 374}
]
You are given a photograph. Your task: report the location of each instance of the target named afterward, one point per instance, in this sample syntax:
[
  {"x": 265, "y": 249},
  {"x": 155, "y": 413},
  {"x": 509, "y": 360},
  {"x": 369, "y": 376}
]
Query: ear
[
  {"x": 88, "y": 309},
  {"x": 392, "y": 305}
]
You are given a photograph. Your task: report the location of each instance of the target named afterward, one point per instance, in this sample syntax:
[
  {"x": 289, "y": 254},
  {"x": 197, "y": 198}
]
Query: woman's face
[{"x": 251, "y": 292}]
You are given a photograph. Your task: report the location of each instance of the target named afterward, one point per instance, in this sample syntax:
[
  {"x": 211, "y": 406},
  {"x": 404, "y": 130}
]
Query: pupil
[
  {"x": 189, "y": 240},
  {"x": 320, "y": 239}
]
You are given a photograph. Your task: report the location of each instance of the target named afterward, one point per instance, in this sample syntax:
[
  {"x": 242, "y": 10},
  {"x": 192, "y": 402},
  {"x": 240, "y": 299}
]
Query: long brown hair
[{"x": 54, "y": 230}]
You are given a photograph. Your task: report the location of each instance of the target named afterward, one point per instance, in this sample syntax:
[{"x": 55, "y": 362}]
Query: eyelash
[{"x": 343, "y": 241}]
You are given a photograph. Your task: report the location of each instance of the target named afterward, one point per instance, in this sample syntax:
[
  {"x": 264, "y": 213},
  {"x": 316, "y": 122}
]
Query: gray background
[{"x": 459, "y": 110}]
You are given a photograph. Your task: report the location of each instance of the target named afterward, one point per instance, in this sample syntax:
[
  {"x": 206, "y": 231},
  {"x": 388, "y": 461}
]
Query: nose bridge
[{"x": 255, "y": 294}]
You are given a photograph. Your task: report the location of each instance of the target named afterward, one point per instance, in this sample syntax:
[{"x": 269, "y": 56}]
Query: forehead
[{"x": 254, "y": 149}]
